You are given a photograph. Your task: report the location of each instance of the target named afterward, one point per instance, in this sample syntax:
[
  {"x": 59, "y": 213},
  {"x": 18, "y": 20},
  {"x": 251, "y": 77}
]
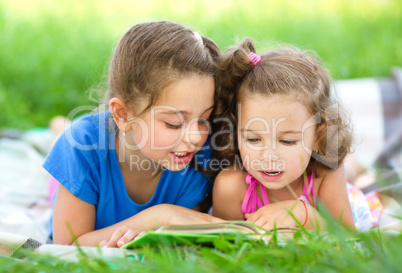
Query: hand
[
  {"x": 177, "y": 215},
  {"x": 120, "y": 237},
  {"x": 279, "y": 213},
  {"x": 154, "y": 217}
]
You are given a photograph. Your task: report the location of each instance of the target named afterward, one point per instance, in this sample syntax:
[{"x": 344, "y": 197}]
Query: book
[{"x": 201, "y": 234}]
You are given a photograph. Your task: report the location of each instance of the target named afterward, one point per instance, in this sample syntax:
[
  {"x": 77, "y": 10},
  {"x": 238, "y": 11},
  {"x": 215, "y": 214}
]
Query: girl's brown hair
[
  {"x": 150, "y": 56},
  {"x": 285, "y": 71}
]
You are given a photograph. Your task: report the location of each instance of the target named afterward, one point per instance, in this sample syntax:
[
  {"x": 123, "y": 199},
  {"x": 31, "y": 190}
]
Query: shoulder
[
  {"x": 334, "y": 195},
  {"x": 232, "y": 173},
  {"x": 228, "y": 193},
  {"x": 79, "y": 151},
  {"x": 325, "y": 175},
  {"x": 90, "y": 131},
  {"x": 230, "y": 179},
  {"x": 330, "y": 178}
]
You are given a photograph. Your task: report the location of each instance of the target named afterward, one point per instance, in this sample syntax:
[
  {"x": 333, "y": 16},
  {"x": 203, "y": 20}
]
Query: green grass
[
  {"x": 53, "y": 52},
  {"x": 307, "y": 252}
]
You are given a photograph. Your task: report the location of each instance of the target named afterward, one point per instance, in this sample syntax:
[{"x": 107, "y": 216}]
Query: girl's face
[
  {"x": 174, "y": 129},
  {"x": 276, "y": 136}
]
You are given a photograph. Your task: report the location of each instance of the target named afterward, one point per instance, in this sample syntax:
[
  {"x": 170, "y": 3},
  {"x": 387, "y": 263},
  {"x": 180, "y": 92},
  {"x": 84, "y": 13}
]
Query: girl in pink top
[{"x": 284, "y": 136}]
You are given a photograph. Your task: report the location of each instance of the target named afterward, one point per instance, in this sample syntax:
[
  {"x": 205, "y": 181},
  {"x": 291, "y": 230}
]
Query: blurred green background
[{"x": 53, "y": 52}]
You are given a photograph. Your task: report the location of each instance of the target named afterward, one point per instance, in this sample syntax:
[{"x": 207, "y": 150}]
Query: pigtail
[
  {"x": 233, "y": 68},
  {"x": 234, "y": 65},
  {"x": 212, "y": 48}
]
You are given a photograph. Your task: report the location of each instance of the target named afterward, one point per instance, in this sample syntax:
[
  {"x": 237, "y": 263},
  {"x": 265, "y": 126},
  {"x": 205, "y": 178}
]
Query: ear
[{"x": 118, "y": 109}]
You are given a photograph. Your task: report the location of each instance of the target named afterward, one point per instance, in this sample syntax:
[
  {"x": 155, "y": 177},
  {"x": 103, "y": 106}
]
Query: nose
[
  {"x": 270, "y": 154},
  {"x": 193, "y": 134}
]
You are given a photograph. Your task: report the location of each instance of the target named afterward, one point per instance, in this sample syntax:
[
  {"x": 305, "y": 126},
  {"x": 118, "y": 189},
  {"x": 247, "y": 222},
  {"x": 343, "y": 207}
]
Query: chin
[{"x": 175, "y": 167}]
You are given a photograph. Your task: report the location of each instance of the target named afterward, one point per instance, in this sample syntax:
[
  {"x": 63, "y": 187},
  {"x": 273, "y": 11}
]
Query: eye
[
  {"x": 253, "y": 139},
  {"x": 171, "y": 126},
  {"x": 288, "y": 142}
]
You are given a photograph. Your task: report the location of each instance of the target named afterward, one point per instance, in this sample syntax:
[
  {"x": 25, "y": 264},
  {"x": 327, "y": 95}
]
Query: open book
[{"x": 200, "y": 234}]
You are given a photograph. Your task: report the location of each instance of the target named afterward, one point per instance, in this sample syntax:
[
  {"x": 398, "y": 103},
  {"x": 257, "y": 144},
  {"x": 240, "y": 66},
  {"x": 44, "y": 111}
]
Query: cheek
[
  {"x": 248, "y": 156},
  {"x": 204, "y": 138},
  {"x": 165, "y": 138},
  {"x": 157, "y": 138},
  {"x": 297, "y": 159},
  {"x": 309, "y": 139}
]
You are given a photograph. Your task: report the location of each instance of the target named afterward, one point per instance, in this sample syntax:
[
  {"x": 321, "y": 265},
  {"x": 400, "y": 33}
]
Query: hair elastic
[
  {"x": 305, "y": 206},
  {"x": 255, "y": 59},
  {"x": 198, "y": 36}
]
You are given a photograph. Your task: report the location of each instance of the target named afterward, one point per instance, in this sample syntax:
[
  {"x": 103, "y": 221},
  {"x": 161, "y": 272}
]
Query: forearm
[{"x": 149, "y": 219}]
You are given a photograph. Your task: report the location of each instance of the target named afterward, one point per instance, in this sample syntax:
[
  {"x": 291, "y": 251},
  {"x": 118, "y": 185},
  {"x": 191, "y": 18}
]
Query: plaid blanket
[
  {"x": 12, "y": 245},
  {"x": 376, "y": 111}
]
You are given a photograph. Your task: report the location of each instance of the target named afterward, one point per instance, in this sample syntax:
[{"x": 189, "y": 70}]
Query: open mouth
[
  {"x": 272, "y": 173},
  {"x": 182, "y": 157}
]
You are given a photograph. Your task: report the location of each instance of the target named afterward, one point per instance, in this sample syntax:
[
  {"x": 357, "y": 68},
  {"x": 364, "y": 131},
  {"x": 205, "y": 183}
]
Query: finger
[
  {"x": 268, "y": 226},
  {"x": 252, "y": 217},
  {"x": 102, "y": 243},
  {"x": 260, "y": 222},
  {"x": 127, "y": 237},
  {"x": 141, "y": 233},
  {"x": 116, "y": 236}
]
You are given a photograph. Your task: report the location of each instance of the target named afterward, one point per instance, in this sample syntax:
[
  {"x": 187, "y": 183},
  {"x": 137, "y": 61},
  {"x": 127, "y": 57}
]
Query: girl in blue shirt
[{"x": 127, "y": 169}]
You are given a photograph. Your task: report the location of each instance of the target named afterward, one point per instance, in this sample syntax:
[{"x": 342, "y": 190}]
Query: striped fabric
[{"x": 376, "y": 112}]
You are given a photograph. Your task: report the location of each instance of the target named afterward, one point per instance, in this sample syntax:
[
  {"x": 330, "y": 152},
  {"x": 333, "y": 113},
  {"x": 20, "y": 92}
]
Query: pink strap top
[{"x": 252, "y": 202}]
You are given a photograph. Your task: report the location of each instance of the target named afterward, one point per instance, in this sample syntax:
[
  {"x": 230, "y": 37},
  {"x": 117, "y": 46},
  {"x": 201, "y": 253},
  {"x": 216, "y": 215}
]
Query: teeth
[
  {"x": 180, "y": 153},
  {"x": 272, "y": 174}
]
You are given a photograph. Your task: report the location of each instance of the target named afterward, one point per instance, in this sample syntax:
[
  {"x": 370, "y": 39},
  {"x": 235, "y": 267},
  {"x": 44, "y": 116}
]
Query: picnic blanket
[
  {"x": 376, "y": 110},
  {"x": 24, "y": 208}
]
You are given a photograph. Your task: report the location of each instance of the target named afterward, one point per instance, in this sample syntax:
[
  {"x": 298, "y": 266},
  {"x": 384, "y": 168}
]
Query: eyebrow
[
  {"x": 244, "y": 130},
  {"x": 173, "y": 112},
  {"x": 285, "y": 132},
  {"x": 291, "y": 132}
]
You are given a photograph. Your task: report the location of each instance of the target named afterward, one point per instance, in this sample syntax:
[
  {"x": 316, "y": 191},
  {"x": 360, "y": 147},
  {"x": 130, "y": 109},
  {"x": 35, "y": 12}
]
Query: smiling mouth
[
  {"x": 180, "y": 153},
  {"x": 182, "y": 157},
  {"x": 271, "y": 173}
]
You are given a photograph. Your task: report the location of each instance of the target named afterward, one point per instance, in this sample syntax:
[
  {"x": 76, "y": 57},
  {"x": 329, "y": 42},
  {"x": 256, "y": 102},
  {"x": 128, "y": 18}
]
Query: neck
[
  {"x": 134, "y": 164},
  {"x": 291, "y": 191},
  {"x": 297, "y": 186}
]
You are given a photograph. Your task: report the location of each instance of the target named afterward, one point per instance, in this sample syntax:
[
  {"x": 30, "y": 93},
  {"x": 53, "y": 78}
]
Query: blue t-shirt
[{"x": 84, "y": 161}]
